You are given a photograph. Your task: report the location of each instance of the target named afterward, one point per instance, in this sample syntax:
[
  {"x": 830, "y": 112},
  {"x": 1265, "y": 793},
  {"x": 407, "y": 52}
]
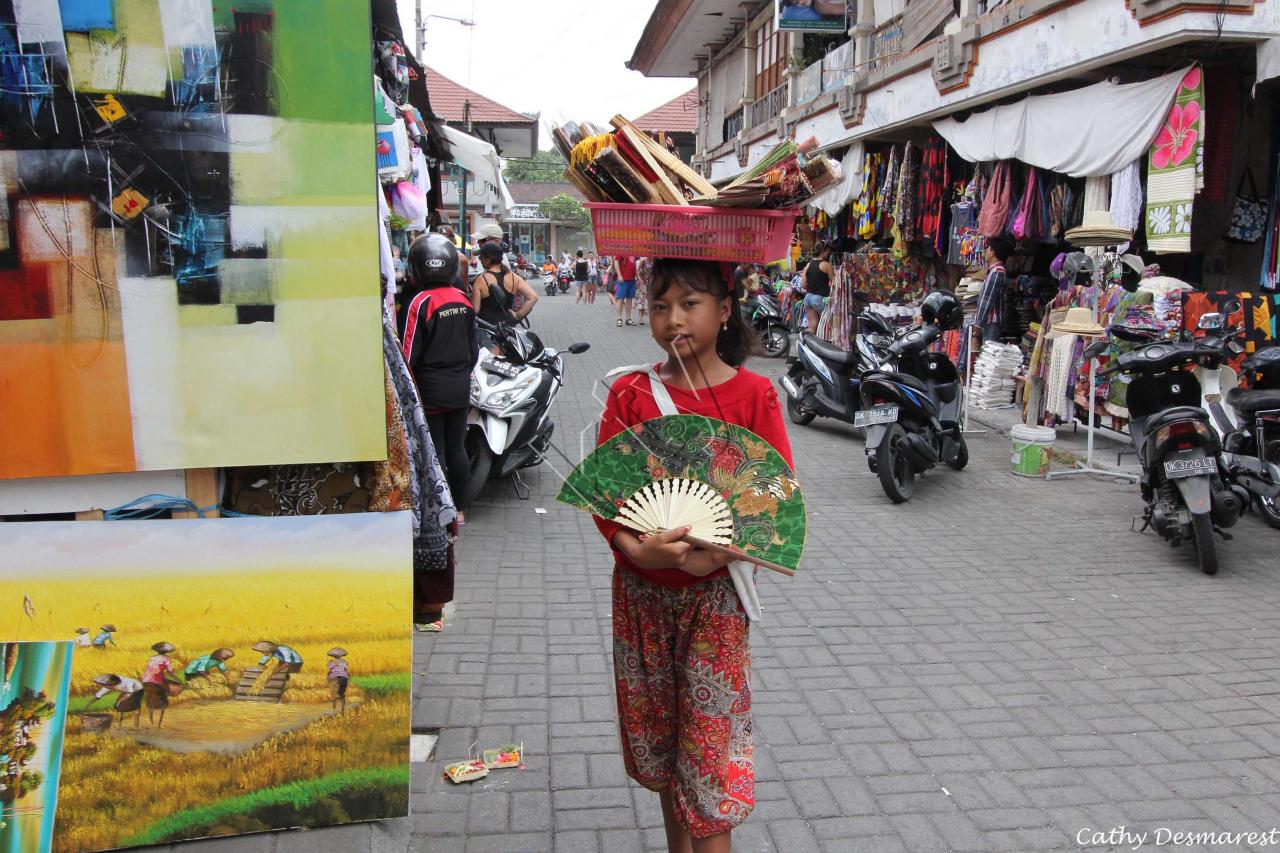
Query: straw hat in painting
[{"x": 163, "y": 648}]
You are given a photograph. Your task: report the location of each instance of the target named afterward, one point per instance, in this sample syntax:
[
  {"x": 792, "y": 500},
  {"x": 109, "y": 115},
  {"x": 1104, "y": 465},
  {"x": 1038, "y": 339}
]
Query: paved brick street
[{"x": 997, "y": 665}]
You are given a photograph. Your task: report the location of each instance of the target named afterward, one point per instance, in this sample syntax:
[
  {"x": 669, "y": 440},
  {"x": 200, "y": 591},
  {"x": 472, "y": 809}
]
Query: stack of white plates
[{"x": 993, "y": 384}]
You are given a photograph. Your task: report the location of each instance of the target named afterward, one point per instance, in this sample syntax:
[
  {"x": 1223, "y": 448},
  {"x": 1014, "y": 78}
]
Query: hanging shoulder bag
[
  {"x": 1248, "y": 213},
  {"x": 996, "y": 202}
]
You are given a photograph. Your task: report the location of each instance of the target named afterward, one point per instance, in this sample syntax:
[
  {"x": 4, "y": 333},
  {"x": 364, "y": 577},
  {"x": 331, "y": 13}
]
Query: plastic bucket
[{"x": 1032, "y": 449}]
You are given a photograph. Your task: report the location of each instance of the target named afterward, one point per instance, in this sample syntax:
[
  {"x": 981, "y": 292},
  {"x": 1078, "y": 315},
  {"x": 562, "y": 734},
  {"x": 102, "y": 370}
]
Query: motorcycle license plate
[
  {"x": 1175, "y": 469},
  {"x": 878, "y": 415},
  {"x": 500, "y": 367}
]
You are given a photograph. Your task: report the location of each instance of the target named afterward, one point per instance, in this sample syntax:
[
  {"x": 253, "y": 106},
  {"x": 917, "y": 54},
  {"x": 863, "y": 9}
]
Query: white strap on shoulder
[{"x": 661, "y": 396}]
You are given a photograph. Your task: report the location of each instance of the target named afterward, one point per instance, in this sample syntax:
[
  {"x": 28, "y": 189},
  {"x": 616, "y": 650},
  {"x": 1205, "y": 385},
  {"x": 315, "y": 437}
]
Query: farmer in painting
[
  {"x": 339, "y": 676},
  {"x": 205, "y": 665},
  {"x": 275, "y": 658},
  {"x": 130, "y": 699},
  {"x": 104, "y": 637},
  {"x": 156, "y": 680}
]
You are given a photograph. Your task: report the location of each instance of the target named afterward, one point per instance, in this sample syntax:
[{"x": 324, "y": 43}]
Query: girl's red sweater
[{"x": 748, "y": 400}]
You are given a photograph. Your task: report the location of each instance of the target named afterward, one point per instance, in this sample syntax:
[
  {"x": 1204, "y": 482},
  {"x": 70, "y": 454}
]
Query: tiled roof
[
  {"x": 531, "y": 193},
  {"x": 679, "y": 115},
  {"x": 448, "y": 100}
]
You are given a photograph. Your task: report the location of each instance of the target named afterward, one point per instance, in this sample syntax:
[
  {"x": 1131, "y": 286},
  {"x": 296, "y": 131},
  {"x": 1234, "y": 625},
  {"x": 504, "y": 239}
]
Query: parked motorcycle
[
  {"x": 1182, "y": 481},
  {"x": 509, "y": 427},
  {"x": 824, "y": 380},
  {"x": 912, "y": 404},
  {"x": 766, "y": 317},
  {"x": 1253, "y": 450}
]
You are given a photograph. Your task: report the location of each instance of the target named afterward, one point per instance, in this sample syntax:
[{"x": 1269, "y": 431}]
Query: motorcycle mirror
[
  {"x": 1095, "y": 349},
  {"x": 1235, "y": 348},
  {"x": 1231, "y": 306},
  {"x": 1212, "y": 320},
  {"x": 579, "y": 348}
]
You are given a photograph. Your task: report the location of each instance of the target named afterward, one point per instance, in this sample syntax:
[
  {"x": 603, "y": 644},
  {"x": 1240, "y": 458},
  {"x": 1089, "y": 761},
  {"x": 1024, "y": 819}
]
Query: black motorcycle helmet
[
  {"x": 942, "y": 309},
  {"x": 433, "y": 260}
]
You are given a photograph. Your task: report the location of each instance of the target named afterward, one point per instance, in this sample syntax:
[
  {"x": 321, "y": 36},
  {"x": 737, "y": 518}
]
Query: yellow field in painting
[
  {"x": 365, "y": 612},
  {"x": 113, "y": 787}
]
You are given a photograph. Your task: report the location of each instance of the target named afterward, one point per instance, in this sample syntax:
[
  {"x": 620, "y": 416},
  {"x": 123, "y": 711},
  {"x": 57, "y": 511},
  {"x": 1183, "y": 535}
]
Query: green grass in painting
[
  {"x": 384, "y": 683},
  {"x": 297, "y": 795}
]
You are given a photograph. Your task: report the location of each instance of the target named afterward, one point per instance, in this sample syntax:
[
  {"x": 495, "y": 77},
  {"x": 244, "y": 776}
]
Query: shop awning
[
  {"x": 1088, "y": 132},
  {"x": 481, "y": 160}
]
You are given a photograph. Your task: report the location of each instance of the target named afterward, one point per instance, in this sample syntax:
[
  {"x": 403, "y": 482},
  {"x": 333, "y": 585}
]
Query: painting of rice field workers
[
  {"x": 33, "y": 711},
  {"x": 228, "y": 676}
]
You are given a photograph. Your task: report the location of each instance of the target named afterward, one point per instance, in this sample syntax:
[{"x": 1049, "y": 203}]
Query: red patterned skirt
[{"x": 683, "y": 669}]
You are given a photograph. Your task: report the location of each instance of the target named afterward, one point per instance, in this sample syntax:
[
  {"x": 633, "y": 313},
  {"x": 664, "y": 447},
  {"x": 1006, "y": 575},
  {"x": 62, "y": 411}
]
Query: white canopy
[
  {"x": 481, "y": 160},
  {"x": 845, "y": 190},
  {"x": 1088, "y": 132}
]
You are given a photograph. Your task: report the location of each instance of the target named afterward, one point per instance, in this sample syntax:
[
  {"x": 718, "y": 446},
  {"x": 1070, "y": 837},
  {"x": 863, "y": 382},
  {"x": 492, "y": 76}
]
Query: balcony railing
[
  {"x": 809, "y": 83},
  {"x": 769, "y": 107},
  {"x": 733, "y": 124},
  {"x": 886, "y": 41},
  {"x": 836, "y": 66}
]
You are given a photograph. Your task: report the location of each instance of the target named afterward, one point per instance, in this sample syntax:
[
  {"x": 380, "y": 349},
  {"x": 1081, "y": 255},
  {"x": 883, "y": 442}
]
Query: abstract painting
[
  {"x": 188, "y": 255},
  {"x": 232, "y": 675},
  {"x": 33, "y": 712}
]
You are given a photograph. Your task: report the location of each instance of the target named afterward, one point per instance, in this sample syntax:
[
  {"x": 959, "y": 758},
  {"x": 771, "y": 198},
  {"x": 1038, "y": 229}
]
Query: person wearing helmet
[
  {"x": 990, "y": 316},
  {"x": 440, "y": 345}
]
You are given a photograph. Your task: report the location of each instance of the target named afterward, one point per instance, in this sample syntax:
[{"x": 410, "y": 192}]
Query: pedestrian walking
[
  {"x": 816, "y": 284},
  {"x": 581, "y": 276},
  {"x": 681, "y": 656},
  {"x": 624, "y": 268},
  {"x": 644, "y": 276},
  {"x": 156, "y": 679},
  {"x": 593, "y": 277}
]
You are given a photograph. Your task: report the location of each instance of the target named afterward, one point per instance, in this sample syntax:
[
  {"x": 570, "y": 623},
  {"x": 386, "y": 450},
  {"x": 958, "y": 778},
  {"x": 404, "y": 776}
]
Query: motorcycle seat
[
  {"x": 1177, "y": 413},
  {"x": 900, "y": 378},
  {"x": 829, "y": 352},
  {"x": 1253, "y": 401}
]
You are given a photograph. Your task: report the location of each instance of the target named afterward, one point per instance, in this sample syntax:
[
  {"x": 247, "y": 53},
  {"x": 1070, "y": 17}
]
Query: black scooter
[
  {"x": 1178, "y": 449},
  {"x": 1252, "y": 450},
  {"x": 764, "y": 314},
  {"x": 912, "y": 410},
  {"x": 823, "y": 379}
]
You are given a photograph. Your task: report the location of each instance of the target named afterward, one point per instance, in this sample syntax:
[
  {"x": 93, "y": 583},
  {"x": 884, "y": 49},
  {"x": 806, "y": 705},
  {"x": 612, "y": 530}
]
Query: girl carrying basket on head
[{"x": 681, "y": 658}]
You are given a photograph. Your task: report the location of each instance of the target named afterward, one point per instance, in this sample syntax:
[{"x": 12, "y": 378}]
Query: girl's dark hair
[{"x": 733, "y": 343}]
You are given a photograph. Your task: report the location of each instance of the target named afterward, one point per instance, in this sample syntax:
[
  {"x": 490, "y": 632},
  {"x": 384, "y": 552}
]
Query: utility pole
[{"x": 418, "y": 29}]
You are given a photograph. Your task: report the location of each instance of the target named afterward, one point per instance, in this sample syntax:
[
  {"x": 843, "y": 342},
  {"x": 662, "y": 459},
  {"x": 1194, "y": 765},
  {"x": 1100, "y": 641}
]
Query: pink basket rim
[{"x": 770, "y": 213}]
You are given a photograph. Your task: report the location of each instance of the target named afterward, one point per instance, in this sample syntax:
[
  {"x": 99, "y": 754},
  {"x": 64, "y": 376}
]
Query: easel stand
[{"x": 1088, "y": 468}]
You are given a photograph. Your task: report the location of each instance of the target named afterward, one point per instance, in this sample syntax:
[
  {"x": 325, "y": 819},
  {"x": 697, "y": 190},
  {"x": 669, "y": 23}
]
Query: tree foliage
[
  {"x": 545, "y": 167},
  {"x": 564, "y": 208}
]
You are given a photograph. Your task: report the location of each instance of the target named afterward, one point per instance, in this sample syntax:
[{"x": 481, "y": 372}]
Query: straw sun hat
[
  {"x": 1079, "y": 321},
  {"x": 1098, "y": 229}
]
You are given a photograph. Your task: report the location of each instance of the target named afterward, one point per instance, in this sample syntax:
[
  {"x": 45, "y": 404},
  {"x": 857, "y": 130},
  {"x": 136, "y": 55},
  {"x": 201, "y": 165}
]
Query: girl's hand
[
  {"x": 702, "y": 562},
  {"x": 657, "y": 550}
]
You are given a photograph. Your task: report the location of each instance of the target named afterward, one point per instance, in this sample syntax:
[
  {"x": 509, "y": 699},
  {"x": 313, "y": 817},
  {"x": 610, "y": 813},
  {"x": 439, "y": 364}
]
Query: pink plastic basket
[{"x": 697, "y": 233}]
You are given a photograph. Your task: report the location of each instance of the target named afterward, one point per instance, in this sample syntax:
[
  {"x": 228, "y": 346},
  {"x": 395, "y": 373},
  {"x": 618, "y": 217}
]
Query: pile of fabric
[{"x": 993, "y": 384}]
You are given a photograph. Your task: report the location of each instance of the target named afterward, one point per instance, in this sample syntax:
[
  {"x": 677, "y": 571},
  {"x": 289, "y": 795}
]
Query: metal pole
[
  {"x": 462, "y": 207},
  {"x": 422, "y": 36}
]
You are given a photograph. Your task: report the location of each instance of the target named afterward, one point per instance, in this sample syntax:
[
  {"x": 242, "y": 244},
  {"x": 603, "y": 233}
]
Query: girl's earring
[{"x": 724, "y": 327}]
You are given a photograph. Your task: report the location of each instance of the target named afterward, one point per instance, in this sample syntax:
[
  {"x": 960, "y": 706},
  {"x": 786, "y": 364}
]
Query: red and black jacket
[{"x": 438, "y": 331}]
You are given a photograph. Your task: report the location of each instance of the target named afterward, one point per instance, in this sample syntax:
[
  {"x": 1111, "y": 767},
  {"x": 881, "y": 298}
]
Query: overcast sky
[{"x": 562, "y": 58}]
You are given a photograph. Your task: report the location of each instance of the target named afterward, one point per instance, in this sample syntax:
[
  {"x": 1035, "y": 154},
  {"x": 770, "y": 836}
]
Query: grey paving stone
[{"x": 1008, "y": 640}]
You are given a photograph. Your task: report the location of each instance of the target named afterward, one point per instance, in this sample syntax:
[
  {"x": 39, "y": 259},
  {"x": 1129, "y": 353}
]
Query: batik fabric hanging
[{"x": 1174, "y": 170}]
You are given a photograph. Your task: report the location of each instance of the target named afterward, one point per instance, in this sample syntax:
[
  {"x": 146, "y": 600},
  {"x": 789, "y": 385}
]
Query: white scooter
[{"x": 509, "y": 426}]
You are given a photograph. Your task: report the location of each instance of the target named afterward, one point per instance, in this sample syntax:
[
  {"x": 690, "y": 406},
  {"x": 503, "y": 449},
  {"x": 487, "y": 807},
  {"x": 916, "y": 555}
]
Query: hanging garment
[
  {"x": 1126, "y": 197},
  {"x": 888, "y": 190},
  {"x": 1173, "y": 172},
  {"x": 391, "y": 485},
  {"x": 1097, "y": 193},
  {"x": 933, "y": 169},
  {"x": 997, "y": 202},
  {"x": 966, "y": 244},
  {"x": 904, "y": 208}
]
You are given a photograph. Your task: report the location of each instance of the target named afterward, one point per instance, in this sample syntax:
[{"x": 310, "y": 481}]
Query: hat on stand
[
  {"x": 1079, "y": 321},
  {"x": 1098, "y": 229}
]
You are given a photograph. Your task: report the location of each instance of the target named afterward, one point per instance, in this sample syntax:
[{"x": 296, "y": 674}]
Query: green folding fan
[{"x": 736, "y": 492}]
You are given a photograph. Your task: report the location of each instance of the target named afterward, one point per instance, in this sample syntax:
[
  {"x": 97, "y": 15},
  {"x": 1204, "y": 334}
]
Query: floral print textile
[
  {"x": 1174, "y": 171},
  {"x": 683, "y": 670}
]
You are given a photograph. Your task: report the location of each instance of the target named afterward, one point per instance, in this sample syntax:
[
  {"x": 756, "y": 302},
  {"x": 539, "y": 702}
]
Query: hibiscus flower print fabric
[{"x": 1175, "y": 169}]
